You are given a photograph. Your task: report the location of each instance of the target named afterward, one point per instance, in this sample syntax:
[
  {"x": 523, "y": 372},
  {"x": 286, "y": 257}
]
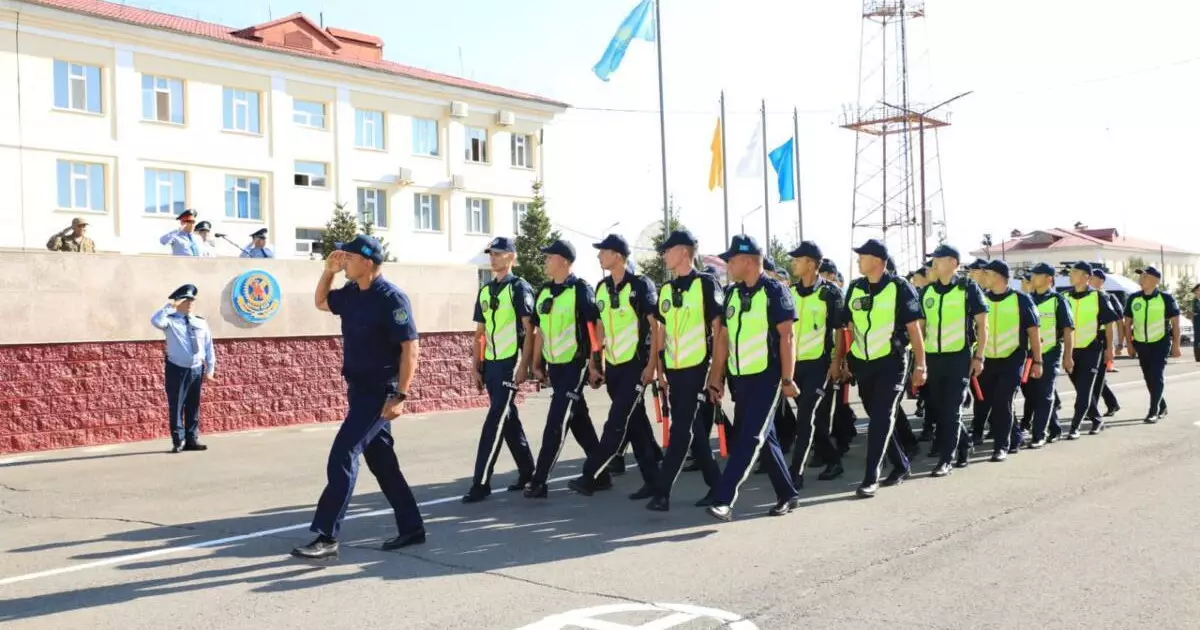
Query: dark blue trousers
[
  {"x": 183, "y": 402},
  {"x": 691, "y": 423},
  {"x": 754, "y": 415},
  {"x": 1152, "y": 357},
  {"x": 946, "y": 384},
  {"x": 1086, "y": 377},
  {"x": 1041, "y": 392},
  {"x": 627, "y": 422},
  {"x": 568, "y": 408},
  {"x": 501, "y": 424},
  {"x": 814, "y": 414},
  {"x": 365, "y": 433},
  {"x": 999, "y": 382},
  {"x": 881, "y": 386}
]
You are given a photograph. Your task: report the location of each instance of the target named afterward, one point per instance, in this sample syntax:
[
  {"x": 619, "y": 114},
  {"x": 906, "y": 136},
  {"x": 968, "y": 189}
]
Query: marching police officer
[
  {"x": 1146, "y": 318},
  {"x": 565, "y": 311},
  {"x": 1090, "y": 309},
  {"x": 844, "y": 417},
  {"x": 627, "y": 304},
  {"x": 1012, "y": 337},
  {"x": 759, "y": 356},
  {"x": 817, "y": 334},
  {"x": 955, "y": 322},
  {"x": 380, "y": 350},
  {"x": 504, "y": 323},
  {"x": 258, "y": 246},
  {"x": 689, "y": 309},
  {"x": 190, "y": 362},
  {"x": 1111, "y": 406},
  {"x": 1196, "y": 322},
  {"x": 1056, "y": 331},
  {"x": 884, "y": 314}
]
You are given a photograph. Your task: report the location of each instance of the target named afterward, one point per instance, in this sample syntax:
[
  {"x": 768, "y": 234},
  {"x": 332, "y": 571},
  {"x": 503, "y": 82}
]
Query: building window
[
  {"x": 80, "y": 186},
  {"x": 166, "y": 192},
  {"x": 485, "y": 276},
  {"x": 241, "y": 110},
  {"x": 310, "y": 241},
  {"x": 520, "y": 209},
  {"x": 162, "y": 99},
  {"x": 477, "y": 141},
  {"x": 77, "y": 87},
  {"x": 368, "y": 129},
  {"x": 243, "y": 197},
  {"x": 522, "y": 151},
  {"x": 479, "y": 216},
  {"x": 427, "y": 212},
  {"x": 311, "y": 174},
  {"x": 425, "y": 137},
  {"x": 372, "y": 207},
  {"x": 308, "y": 114}
]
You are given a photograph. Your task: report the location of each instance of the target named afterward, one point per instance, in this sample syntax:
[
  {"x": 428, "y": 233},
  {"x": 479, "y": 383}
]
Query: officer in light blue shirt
[
  {"x": 190, "y": 361},
  {"x": 258, "y": 247},
  {"x": 184, "y": 241}
]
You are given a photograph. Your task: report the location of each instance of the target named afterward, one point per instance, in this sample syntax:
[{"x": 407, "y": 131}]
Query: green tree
[
  {"x": 1133, "y": 264},
  {"x": 535, "y": 232},
  {"x": 1183, "y": 295},
  {"x": 343, "y": 226},
  {"x": 779, "y": 256},
  {"x": 652, "y": 264}
]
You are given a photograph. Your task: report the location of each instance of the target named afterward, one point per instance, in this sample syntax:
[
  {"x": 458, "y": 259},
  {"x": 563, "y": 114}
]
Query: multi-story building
[{"x": 125, "y": 117}]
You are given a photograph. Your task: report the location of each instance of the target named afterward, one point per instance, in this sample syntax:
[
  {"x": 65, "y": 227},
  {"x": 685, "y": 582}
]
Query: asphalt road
[{"x": 1097, "y": 533}]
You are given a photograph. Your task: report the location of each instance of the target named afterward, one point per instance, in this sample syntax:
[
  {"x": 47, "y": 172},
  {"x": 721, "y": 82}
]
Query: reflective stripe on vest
[
  {"x": 1149, "y": 318},
  {"x": 1086, "y": 311},
  {"x": 873, "y": 326},
  {"x": 499, "y": 324},
  {"x": 945, "y": 320},
  {"x": 1048, "y": 323},
  {"x": 686, "y": 333},
  {"x": 620, "y": 324},
  {"x": 812, "y": 313},
  {"x": 1004, "y": 328},
  {"x": 748, "y": 347},
  {"x": 559, "y": 341}
]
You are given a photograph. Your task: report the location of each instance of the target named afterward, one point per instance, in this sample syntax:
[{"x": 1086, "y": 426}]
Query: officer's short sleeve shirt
[{"x": 376, "y": 321}]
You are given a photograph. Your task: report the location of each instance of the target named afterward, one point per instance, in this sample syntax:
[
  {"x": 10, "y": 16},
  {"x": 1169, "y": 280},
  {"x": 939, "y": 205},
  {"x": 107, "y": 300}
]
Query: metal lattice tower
[{"x": 897, "y": 171}]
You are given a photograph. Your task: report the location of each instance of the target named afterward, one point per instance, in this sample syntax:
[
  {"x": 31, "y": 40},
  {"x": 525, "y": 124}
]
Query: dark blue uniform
[
  {"x": 1152, "y": 357},
  {"x": 1088, "y": 373},
  {"x": 502, "y": 418},
  {"x": 948, "y": 378},
  {"x": 1111, "y": 405},
  {"x": 375, "y": 322},
  {"x": 1041, "y": 390},
  {"x": 814, "y": 405},
  {"x": 1001, "y": 378},
  {"x": 757, "y": 396}
]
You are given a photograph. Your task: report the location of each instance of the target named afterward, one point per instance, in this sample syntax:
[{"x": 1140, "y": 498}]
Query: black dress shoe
[
  {"x": 1112, "y": 411},
  {"x": 831, "y": 472},
  {"x": 659, "y": 504},
  {"x": 404, "y": 540},
  {"x": 1097, "y": 427},
  {"x": 999, "y": 456},
  {"x": 708, "y": 499},
  {"x": 645, "y": 492},
  {"x": 1036, "y": 444},
  {"x": 964, "y": 457},
  {"x": 194, "y": 446},
  {"x": 537, "y": 491},
  {"x": 518, "y": 485},
  {"x": 866, "y": 491},
  {"x": 477, "y": 494},
  {"x": 177, "y": 448},
  {"x": 581, "y": 486},
  {"x": 1151, "y": 420},
  {"x": 321, "y": 548},
  {"x": 896, "y": 477},
  {"x": 603, "y": 482},
  {"x": 721, "y": 512},
  {"x": 783, "y": 507},
  {"x": 942, "y": 470}
]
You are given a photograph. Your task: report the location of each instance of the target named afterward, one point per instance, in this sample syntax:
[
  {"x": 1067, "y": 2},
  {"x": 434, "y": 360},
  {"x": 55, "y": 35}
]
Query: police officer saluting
[
  {"x": 884, "y": 314},
  {"x": 564, "y": 309},
  {"x": 191, "y": 361},
  {"x": 504, "y": 324},
  {"x": 1056, "y": 329},
  {"x": 1147, "y": 314},
  {"x": 1091, "y": 311},
  {"x": 258, "y": 246},
  {"x": 759, "y": 354},
  {"x": 627, "y": 306},
  {"x": 379, "y": 347},
  {"x": 955, "y": 321}
]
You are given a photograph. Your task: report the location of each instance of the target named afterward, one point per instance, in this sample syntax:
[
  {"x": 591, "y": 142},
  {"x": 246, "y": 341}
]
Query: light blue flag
[
  {"x": 782, "y": 159},
  {"x": 640, "y": 24}
]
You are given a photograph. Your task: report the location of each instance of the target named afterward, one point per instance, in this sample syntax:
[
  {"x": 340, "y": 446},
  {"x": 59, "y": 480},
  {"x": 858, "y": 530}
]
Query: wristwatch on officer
[
  {"x": 1038, "y": 362},
  {"x": 401, "y": 396},
  {"x": 786, "y": 381}
]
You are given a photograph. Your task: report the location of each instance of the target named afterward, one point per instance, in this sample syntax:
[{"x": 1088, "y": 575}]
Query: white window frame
[
  {"x": 427, "y": 212},
  {"x": 308, "y": 117},
  {"x": 368, "y": 122},
  {"x": 479, "y": 211},
  {"x": 471, "y": 132},
  {"x": 241, "y": 183},
  {"x": 81, "y": 171},
  {"x": 436, "y": 139},
  {"x": 164, "y": 190},
  {"x": 520, "y": 209},
  {"x": 374, "y": 199},
  {"x": 310, "y": 180},
  {"x": 240, "y": 98},
  {"x": 522, "y": 148},
  {"x": 157, "y": 114}
]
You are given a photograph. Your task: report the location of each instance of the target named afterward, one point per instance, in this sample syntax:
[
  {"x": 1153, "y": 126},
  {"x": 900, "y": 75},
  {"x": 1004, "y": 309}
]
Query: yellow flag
[{"x": 716, "y": 172}]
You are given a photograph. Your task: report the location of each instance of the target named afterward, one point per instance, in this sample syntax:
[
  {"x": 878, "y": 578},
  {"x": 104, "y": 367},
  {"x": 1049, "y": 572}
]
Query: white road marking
[{"x": 681, "y": 614}]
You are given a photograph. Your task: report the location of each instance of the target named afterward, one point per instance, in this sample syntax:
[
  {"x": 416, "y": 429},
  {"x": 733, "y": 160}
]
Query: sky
[{"x": 1080, "y": 110}]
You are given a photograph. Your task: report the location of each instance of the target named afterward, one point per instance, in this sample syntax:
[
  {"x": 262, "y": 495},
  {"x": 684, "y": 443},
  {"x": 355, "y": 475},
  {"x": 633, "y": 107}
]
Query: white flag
[{"x": 751, "y": 164}]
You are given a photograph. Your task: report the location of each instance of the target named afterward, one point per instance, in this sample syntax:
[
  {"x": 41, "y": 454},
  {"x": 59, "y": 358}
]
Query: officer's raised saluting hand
[{"x": 336, "y": 261}]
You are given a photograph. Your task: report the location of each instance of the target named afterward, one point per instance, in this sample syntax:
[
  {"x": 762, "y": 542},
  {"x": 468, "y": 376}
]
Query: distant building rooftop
[{"x": 1078, "y": 237}]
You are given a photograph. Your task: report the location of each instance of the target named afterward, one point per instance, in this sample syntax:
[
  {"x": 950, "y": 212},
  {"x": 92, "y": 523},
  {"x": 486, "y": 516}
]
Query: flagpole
[
  {"x": 766, "y": 184},
  {"x": 796, "y": 160},
  {"x": 662, "y": 117},
  {"x": 724, "y": 169}
]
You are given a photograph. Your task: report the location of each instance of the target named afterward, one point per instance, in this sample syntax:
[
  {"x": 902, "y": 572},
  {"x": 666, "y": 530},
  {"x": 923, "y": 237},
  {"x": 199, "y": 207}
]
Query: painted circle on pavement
[{"x": 669, "y": 616}]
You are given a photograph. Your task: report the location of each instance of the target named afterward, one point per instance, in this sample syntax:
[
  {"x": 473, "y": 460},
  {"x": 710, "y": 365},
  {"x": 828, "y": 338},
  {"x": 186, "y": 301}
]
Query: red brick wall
[{"x": 64, "y": 395}]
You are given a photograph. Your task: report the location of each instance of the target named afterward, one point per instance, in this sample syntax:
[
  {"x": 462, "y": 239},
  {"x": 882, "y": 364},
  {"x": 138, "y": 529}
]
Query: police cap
[
  {"x": 678, "y": 237},
  {"x": 998, "y": 266},
  {"x": 501, "y": 244},
  {"x": 873, "y": 247},
  {"x": 946, "y": 251},
  {"x": 1044, "y": 269},
  {"x": 741, "y": 244},
  {"x": 807, "y": 249},
  {"x": 364, "y": 245},
  {"x": 203, "y": 226},
  {"x": 1151, "y": 271},
  {"x": 185, "y": 292},
  {"x": 614, "y": 243},
  {"x": 260, "y": 234},
  {"x": 561, "y": 248}
]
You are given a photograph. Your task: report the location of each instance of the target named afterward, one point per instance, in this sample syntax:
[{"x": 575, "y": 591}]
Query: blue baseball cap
[
  {"x": 741, "y": 244},
  {"x": 614, "y": 243},
  {"x": 678, "y": 237},
  {"x": 977, "y": 264},
  {"x": 827, "y": 266},
  {"x": 501, "y": 244},
  {"x": 807, "y": 249},
  {"x": 365, "y": 246},
  {"x": 1082, "y": 266},
  {"x": 1151, "y": 271},
  {"x": 946, "y": 251},
  {"x": 769, "y": 265},
  {"x": 873, "y": 247},
  {"x": 998, "y": 266},
  {"x": 1044, "y": 269},
  {"x": 561, "y": 248},
  {"x": 1099, "y": 273}
]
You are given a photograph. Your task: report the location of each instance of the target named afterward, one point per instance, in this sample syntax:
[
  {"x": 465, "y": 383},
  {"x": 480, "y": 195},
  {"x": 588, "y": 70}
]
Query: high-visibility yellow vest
[
  {"x": 874, "y": 319},
  {"x": 686, "y": 332},
  {"x": 620, "y": 324},
  {"x": 560, "y": 343},
  {"x": 945, "y": 319},
  {"x": 1048, "y": 322},
  {"x": 499, "y": 323},
  {"x": 1086, "y": 312},
  {"x": 749, "y": 350},
  {"x": 1004, "y": 328},
  {"x": 809, "y": 329},
  {"x": 1149, "y": 318}
]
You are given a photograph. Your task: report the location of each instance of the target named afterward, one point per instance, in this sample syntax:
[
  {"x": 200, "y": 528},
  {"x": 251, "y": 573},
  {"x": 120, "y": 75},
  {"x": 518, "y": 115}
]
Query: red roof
[
  {"x": 342, "y": 33},
  {"x": 208, "y": 30},
  {"x": 1060, "y": 238}
]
